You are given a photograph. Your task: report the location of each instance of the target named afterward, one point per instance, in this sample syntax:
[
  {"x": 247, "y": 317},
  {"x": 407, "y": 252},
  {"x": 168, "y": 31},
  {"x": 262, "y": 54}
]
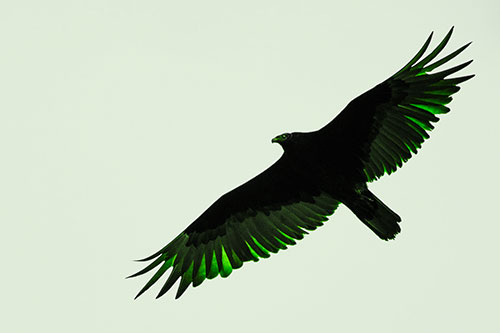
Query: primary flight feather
[{"x": 375, "y": 134}]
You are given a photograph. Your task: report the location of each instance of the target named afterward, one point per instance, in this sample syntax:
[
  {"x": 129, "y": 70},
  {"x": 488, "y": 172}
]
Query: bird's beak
[{"x": 274, "y": 140}]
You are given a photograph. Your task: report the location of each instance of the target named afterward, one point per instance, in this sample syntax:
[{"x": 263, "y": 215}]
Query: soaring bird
[{"x": 374, "y": 135}]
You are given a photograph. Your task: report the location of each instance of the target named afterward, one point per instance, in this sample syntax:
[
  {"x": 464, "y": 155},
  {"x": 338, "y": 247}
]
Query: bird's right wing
[
  {"x": 380, "y": 130},
  {"x": 262, "y": 216}
]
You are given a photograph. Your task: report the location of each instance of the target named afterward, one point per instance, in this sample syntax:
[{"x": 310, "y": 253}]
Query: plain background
[{"x": 122, "y": 121}]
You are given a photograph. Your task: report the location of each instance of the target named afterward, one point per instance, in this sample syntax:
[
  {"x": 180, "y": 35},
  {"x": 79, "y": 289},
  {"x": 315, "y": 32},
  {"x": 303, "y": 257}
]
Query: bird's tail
[{"x": 375, "y": 214}]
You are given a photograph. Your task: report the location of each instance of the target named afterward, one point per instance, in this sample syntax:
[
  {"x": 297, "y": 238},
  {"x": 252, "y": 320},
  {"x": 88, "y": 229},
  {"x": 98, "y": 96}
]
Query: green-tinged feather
[
  {"x": 152, "y": 265},
  {"x": 226, "y": 264},
  {"x": 261, "y": 239},
  {"x": 218, "y": 253},
  {"x": 214, "y": 269},
  {"x": 234, "y": 260},
  {"x": 434, "y": 109},
  {"x": 422, "y": 123},
  {"x": 173, "y": 277},
  {"x": 416, "y": 57},
  {"x": 186, "y": 280},
  {"x": 252, "y": 244},
  {"x": 272, "y": 233},
  {"x": 209, "y": 254},
  {"x": 188, "y": 259},
  {"x": 239, "y": 245},
  {"x": 445, "y": 59},
  {"x": 434, "y": 53},
  {"x": 255, "y": 254},
  {"x": 201, "y": 274},
  {"x": 289, "y": 230},
  {"x": 258, "y": 248},
  {"x": 155, "y": 278}
]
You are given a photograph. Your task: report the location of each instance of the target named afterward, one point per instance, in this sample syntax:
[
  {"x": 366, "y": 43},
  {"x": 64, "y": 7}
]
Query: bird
[{"x": 372, "y": 136}]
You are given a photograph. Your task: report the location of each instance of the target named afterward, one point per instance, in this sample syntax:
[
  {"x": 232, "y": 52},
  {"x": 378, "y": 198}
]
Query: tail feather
[{"x": 375, "y": 215}]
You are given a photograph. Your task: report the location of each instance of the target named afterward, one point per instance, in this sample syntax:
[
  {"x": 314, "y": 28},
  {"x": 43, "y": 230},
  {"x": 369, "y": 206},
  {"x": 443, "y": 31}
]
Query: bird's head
[{"x": 282, "y": 139}]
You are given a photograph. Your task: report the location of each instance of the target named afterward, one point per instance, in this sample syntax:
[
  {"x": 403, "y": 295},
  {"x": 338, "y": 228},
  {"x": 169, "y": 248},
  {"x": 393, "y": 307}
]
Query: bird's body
[{"x": 374, "y": 135}]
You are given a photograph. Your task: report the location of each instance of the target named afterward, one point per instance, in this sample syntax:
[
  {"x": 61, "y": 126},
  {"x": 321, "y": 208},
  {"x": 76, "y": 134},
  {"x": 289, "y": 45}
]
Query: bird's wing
[
  {"x": 383, "y": 127},
  {"x": 262, "y": 216}
]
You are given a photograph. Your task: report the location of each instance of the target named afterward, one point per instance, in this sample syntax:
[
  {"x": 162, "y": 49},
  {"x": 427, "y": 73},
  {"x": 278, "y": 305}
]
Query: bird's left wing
[
  {"x": 380, "y": 130},
  {"x": 262, "y": 216}
]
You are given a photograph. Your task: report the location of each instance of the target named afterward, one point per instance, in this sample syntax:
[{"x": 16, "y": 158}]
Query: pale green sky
[{"x": 122, "y": 121}]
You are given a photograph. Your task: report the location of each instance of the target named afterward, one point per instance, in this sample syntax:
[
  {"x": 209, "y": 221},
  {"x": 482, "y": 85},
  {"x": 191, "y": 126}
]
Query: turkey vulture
[{"x": 374, "y": 135}]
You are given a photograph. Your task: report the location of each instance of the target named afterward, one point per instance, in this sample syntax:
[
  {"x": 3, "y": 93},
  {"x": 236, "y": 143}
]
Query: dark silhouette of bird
[{"x": 374, "y": 135}]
